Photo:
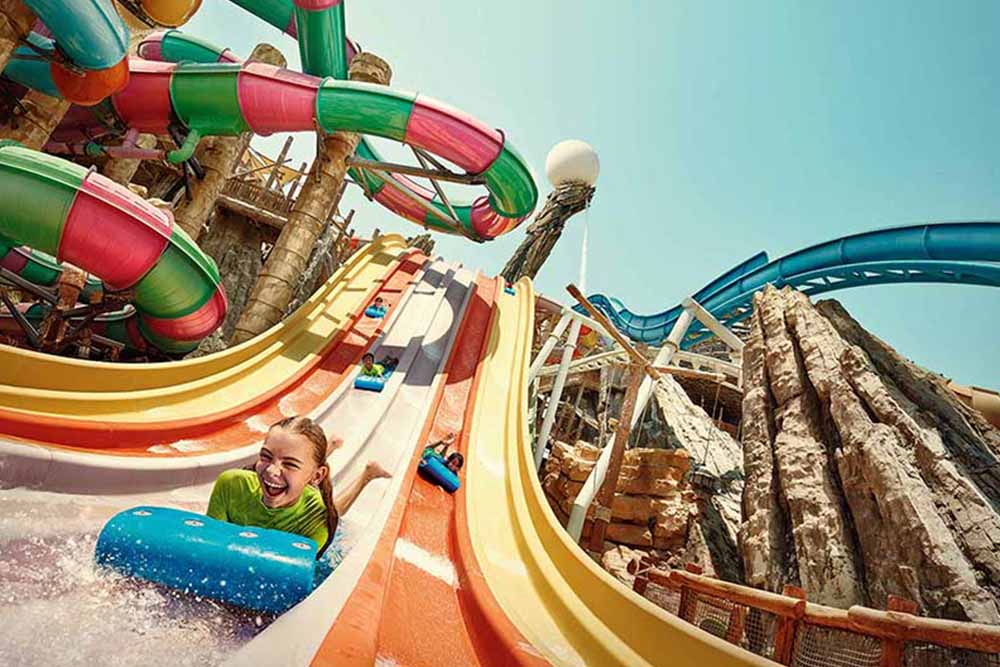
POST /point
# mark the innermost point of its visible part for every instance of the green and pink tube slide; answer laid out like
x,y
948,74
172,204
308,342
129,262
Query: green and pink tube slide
x,y
78,216
326,51
228,99
267,100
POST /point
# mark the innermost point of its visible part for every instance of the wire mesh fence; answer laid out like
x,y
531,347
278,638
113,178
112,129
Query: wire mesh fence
x,y
935,655
816,646
666,598
747,627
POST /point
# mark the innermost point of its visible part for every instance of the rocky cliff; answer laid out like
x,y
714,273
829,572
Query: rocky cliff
x,y
865,476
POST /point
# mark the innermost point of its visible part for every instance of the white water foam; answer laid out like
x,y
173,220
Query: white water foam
x,y
257,423
434,565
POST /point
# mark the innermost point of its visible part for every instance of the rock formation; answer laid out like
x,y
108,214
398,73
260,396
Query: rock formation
x,y
679,498
654,501
865,476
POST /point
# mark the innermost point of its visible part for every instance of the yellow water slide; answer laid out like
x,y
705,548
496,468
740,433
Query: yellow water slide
x,y
569,610
565,605
56,387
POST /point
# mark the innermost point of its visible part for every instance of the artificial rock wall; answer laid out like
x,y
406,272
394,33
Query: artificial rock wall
x,y
864,476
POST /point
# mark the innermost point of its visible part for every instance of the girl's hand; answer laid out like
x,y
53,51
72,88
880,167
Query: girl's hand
x,y
374,470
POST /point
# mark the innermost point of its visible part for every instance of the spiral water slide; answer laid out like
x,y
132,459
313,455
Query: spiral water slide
x,y
966,253
326,51
56,207
221,97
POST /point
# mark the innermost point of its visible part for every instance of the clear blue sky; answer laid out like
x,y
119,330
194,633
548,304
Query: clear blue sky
x,y
723,128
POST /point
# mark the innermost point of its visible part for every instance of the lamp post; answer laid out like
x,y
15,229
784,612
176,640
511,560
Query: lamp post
x,y
572,168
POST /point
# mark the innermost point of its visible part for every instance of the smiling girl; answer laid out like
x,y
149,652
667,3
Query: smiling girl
x,y
288,488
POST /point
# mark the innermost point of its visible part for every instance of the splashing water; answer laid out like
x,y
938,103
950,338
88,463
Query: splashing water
x,y
58,607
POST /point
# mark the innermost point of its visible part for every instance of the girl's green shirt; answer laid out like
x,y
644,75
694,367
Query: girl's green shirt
x,y
237,498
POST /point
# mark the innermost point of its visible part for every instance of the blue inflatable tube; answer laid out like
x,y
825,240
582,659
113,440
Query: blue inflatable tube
x,y
256,568
371,383
374,311
434,469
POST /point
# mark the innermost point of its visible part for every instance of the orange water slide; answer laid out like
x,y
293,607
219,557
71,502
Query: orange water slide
x,y
422,599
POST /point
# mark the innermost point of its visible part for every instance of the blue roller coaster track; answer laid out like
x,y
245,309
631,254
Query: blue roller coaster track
x,y
965,253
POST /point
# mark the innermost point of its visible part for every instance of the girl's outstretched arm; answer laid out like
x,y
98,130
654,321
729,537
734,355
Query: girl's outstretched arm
x,y
346,498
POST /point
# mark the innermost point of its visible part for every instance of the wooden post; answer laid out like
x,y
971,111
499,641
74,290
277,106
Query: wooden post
x,y
610,329
297,183
784,635
273,176
688,603
567,422
641,581
737,621
892,649
606,494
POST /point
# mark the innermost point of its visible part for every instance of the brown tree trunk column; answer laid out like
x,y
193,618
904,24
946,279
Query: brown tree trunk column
x,y
606,494
218,157
315,202
15,22
562,203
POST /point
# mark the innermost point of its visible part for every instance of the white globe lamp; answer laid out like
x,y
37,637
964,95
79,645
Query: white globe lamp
x,y
572,161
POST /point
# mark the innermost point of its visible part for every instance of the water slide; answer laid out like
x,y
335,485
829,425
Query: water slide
x,y
326,51
82,65
221,97
486,576
965,253
62,209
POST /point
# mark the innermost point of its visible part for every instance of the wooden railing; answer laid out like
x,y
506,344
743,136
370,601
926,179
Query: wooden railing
x,y
792,631
268,199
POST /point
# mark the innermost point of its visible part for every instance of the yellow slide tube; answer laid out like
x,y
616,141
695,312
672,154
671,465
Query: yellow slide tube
x,y
34,383
570,609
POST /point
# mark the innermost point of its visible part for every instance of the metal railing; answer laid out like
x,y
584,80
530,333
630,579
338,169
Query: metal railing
x,y
789,630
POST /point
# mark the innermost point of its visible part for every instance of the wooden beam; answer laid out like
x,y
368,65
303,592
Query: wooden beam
x,y
273,176
255,213
601,319
606,494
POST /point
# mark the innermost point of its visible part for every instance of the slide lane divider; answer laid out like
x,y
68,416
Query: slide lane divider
x,y
294,638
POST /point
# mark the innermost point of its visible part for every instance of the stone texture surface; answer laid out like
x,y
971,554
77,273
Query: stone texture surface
x,y
652,493
235,244
616,559
886,482
717,459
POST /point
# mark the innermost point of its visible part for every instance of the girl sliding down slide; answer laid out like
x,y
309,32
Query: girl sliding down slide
x,y
288,488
